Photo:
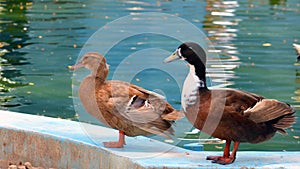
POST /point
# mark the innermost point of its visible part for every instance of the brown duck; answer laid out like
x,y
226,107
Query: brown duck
x,y
123,106
228,114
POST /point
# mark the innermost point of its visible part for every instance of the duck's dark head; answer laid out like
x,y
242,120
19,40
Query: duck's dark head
x,y
93,61
191,52
195,55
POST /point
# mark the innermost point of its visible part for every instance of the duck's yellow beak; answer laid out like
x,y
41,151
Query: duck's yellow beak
x,y
70,67
172,57
76,66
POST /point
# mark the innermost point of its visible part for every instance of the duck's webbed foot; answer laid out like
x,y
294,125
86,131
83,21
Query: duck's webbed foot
x,y
116,144
221,160
226,158
113,144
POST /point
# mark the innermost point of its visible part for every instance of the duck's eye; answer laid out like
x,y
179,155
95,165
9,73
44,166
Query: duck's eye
x,y
179,53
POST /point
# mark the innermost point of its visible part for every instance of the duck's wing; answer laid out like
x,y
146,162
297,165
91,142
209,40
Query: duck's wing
x,y
158,104
147,92
239,100
265,109
140,110
268,109
279,114
144,109
252,97
140,99
144,115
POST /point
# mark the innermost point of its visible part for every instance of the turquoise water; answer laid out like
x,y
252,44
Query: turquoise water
x,y
39,39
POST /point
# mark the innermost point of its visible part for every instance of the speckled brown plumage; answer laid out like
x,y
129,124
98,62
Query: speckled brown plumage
x,y
121,105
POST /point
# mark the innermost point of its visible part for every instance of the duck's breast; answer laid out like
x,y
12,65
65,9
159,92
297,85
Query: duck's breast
x,y
87,95
189,93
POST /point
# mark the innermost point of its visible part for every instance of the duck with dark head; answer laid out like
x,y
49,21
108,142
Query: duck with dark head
x,y
128,108
237,116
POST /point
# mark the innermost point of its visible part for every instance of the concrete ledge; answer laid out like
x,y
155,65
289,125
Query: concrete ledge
x,y
57,143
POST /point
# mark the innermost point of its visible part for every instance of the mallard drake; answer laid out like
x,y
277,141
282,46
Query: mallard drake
x,y
123,106
228,114
297,47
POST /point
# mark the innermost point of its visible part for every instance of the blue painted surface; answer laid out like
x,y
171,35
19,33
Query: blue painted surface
x,y
194,146
139,151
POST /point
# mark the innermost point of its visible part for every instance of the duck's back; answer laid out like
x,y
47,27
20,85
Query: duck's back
x,y
226,114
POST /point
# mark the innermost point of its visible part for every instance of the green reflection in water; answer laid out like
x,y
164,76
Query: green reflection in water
x,y
13,36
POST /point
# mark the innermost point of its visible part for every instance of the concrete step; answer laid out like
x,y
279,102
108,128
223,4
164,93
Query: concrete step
x,y
58,143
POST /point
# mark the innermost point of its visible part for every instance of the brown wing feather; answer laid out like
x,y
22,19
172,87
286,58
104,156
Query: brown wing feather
x,y
241,100
145,109
284,123
162,107
147,92
267,110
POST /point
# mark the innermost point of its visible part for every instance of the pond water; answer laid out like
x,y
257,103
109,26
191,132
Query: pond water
x,y
39,39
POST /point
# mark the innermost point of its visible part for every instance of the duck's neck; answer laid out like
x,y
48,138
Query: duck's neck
x,y
100,73
99,79
199,74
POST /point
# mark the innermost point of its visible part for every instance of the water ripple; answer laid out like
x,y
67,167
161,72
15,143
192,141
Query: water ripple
x,y
220,26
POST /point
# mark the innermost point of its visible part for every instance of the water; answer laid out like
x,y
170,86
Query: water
x,y
39,39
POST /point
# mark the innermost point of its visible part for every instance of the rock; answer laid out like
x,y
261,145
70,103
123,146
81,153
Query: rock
x,y
12,167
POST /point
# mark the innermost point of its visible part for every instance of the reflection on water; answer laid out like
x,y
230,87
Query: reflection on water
x,y
296,98
297,74
265,37
277,2
13,36
220,27
38,39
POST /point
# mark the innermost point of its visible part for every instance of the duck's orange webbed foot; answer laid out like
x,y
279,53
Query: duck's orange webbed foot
x,y
226,158
221,160
213,158
113,144
116,144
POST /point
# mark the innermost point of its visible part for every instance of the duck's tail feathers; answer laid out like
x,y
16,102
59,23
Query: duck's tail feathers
x,y
279,114
284,122
158,131
173,116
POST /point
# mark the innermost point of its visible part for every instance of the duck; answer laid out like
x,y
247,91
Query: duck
x,y
123,106
297,48
229,114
